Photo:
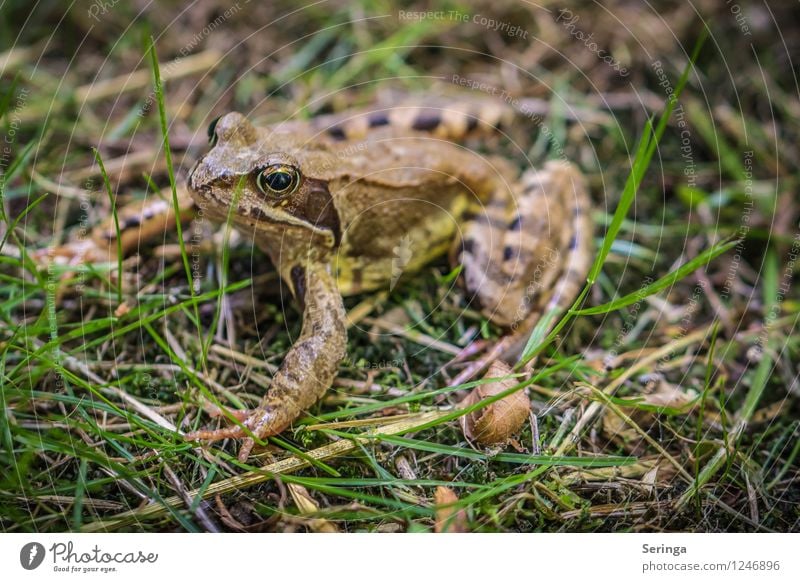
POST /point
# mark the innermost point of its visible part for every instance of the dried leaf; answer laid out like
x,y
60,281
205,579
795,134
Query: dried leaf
x,y
616,428
448,518
501,421
671,396
307,505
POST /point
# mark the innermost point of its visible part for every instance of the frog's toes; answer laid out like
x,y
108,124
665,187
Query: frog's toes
x,y
239,414
230,432
71,254
247,447
259,423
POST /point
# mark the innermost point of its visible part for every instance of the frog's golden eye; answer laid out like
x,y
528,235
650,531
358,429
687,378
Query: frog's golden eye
x,y
212,134
278,180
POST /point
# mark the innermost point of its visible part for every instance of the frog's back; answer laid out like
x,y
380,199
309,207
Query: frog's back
x,y
405,183
408,187
448,118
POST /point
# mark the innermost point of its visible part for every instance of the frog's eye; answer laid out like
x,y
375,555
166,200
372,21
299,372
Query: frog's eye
x,y
278,180
212,135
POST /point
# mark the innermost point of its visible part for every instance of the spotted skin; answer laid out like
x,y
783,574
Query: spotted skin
x,y
531,252
446,120
139,222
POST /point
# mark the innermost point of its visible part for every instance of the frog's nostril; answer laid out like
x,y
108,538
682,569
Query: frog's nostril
x,y
235,128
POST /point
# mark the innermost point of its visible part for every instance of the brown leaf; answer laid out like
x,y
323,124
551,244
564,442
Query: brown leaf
x,y
671,396
308,505
501,421
448,519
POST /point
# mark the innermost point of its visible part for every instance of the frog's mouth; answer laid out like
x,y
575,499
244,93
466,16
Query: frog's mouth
x,y
279,225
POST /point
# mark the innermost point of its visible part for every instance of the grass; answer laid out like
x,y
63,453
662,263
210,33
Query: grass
x,y
93,395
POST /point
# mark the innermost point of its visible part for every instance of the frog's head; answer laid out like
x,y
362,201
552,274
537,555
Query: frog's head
x,y
250,176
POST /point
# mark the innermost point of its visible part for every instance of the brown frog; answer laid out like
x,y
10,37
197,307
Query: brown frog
x,y
341,204
345,204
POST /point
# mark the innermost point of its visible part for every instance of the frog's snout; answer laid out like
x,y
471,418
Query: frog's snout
x,y
229,133
192,178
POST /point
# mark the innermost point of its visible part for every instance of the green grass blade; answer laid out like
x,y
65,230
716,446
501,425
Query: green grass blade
x,y
158,88
113,200
516,458
644,154
666,281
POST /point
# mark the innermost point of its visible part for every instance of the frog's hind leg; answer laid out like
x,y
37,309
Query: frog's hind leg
x,y
139,222
528,251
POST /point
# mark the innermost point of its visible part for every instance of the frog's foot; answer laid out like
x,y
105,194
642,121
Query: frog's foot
x,y
136,223
258,423
69,255
72,254
307,370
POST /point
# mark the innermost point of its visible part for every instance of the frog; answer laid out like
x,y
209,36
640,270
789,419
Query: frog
x,y
346,204
340,202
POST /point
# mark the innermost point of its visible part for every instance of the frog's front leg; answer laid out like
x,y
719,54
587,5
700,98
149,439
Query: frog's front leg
x,y
309,367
